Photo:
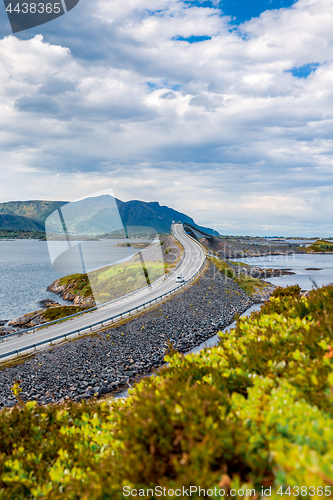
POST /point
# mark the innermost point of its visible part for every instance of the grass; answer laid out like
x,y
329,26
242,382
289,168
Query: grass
x,y
61,312
77,284
241,264
247,283
118,280
320,246
109,283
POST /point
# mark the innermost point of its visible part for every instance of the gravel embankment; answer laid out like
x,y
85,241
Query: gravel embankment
x,y
103,362
228,249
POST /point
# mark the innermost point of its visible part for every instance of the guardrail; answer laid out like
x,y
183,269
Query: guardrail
x,y
103,323
196,241
71,316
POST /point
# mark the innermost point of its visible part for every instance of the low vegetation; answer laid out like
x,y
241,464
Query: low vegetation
x,y
240,264
247,283
320,246
118,280
10,234
77,284
255,411
54,313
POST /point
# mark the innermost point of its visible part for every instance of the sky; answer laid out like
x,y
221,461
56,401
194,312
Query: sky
x,y
221,110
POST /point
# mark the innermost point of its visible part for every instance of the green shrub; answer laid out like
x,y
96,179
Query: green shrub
x,y
255,410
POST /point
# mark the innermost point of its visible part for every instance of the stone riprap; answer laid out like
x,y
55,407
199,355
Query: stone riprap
x,y
108,360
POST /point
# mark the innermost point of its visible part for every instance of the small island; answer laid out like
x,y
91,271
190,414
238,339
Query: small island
x,y
321,246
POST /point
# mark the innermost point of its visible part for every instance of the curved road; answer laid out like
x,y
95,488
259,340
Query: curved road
x,y
193,260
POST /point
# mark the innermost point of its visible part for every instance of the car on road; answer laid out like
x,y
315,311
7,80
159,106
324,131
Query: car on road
x,y
180,278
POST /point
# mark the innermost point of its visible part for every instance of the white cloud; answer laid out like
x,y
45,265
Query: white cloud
x,y
202,126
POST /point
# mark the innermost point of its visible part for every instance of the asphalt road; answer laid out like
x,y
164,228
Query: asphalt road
x,y
193,259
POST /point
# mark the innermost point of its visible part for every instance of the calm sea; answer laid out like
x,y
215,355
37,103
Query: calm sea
x,y
299,264
26,272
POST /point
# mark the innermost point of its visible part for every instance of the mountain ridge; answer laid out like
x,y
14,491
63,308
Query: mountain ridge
x,y
30,215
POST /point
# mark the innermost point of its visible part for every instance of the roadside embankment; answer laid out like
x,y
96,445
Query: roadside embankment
x,y
102,362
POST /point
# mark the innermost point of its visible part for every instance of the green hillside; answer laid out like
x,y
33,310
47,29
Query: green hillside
x,y
26,215
20,223
34,209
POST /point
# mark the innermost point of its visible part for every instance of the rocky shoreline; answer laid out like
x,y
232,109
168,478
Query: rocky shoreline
x,y
107,361
65,291
37,318
257,272
34,318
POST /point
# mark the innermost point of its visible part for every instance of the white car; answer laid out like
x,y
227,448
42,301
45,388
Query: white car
x,y
180,279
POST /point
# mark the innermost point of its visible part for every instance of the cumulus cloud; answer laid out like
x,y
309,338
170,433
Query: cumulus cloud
x,y
222,129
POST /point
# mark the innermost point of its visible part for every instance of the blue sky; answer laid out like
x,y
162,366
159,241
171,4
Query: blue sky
x,y
244,10
222,110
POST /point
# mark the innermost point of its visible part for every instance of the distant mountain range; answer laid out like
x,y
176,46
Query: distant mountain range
x,y
26,215
31,215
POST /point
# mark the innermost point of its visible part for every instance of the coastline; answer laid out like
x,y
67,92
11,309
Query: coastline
x,y
105,363
108,360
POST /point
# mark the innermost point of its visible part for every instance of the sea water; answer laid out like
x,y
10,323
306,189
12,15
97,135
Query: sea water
x,y
300,264
26,272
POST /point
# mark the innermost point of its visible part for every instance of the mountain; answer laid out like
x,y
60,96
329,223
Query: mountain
x,y
31,215
19,223
140,213
34,209
26,215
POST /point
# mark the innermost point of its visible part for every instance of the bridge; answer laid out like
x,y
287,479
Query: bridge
x,y
195,232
